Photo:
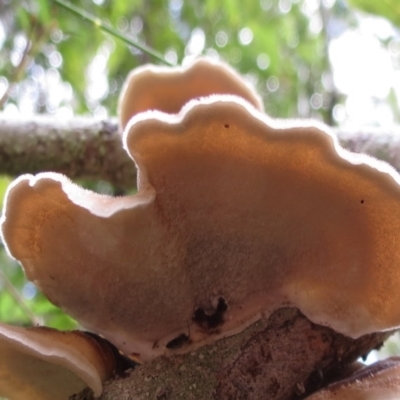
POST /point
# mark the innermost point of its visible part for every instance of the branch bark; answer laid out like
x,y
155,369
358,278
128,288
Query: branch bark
x,y
81,148
283,357
88,148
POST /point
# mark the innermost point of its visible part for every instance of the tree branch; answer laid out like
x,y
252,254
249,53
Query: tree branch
x,y
78,148
85,147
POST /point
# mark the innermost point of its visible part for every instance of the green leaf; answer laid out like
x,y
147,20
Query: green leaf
x,y
23,18
389,9
44,11
54,317
4,182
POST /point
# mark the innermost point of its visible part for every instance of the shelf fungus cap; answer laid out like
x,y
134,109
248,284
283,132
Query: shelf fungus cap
x,y
379,381
45,364
236,215
168,89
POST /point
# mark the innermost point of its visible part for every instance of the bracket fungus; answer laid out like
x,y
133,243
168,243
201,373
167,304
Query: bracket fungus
x,y
45,364
168,89
236,215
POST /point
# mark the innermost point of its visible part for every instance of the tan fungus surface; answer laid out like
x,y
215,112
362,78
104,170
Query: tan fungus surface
x,y
168,89
45,364
236,216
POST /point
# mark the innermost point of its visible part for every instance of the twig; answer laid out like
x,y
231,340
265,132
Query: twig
x,y
19,300
35,39
100,24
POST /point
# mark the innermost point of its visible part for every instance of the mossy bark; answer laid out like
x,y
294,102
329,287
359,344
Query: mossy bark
x,y
283,357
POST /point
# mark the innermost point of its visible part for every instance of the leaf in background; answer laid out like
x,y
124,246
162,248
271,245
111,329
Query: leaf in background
x,y
44,12
53,316
22,17
4,182
389,9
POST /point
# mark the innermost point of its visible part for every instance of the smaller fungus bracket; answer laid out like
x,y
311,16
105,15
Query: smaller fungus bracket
x,y
378,381
107,255
168,89
45,364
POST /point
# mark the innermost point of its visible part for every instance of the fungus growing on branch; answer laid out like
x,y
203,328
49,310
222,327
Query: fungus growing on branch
x,y
45,364
236,215
168,89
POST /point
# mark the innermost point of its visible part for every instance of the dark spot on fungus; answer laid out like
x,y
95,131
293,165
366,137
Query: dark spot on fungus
x,y
210,321
362,201
178,342
226,125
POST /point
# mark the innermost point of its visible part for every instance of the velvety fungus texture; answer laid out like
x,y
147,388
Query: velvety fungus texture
x,y
236,215
168,89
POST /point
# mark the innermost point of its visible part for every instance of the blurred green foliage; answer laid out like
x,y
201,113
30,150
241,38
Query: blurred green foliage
x,y
52,60
271,42
389,9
